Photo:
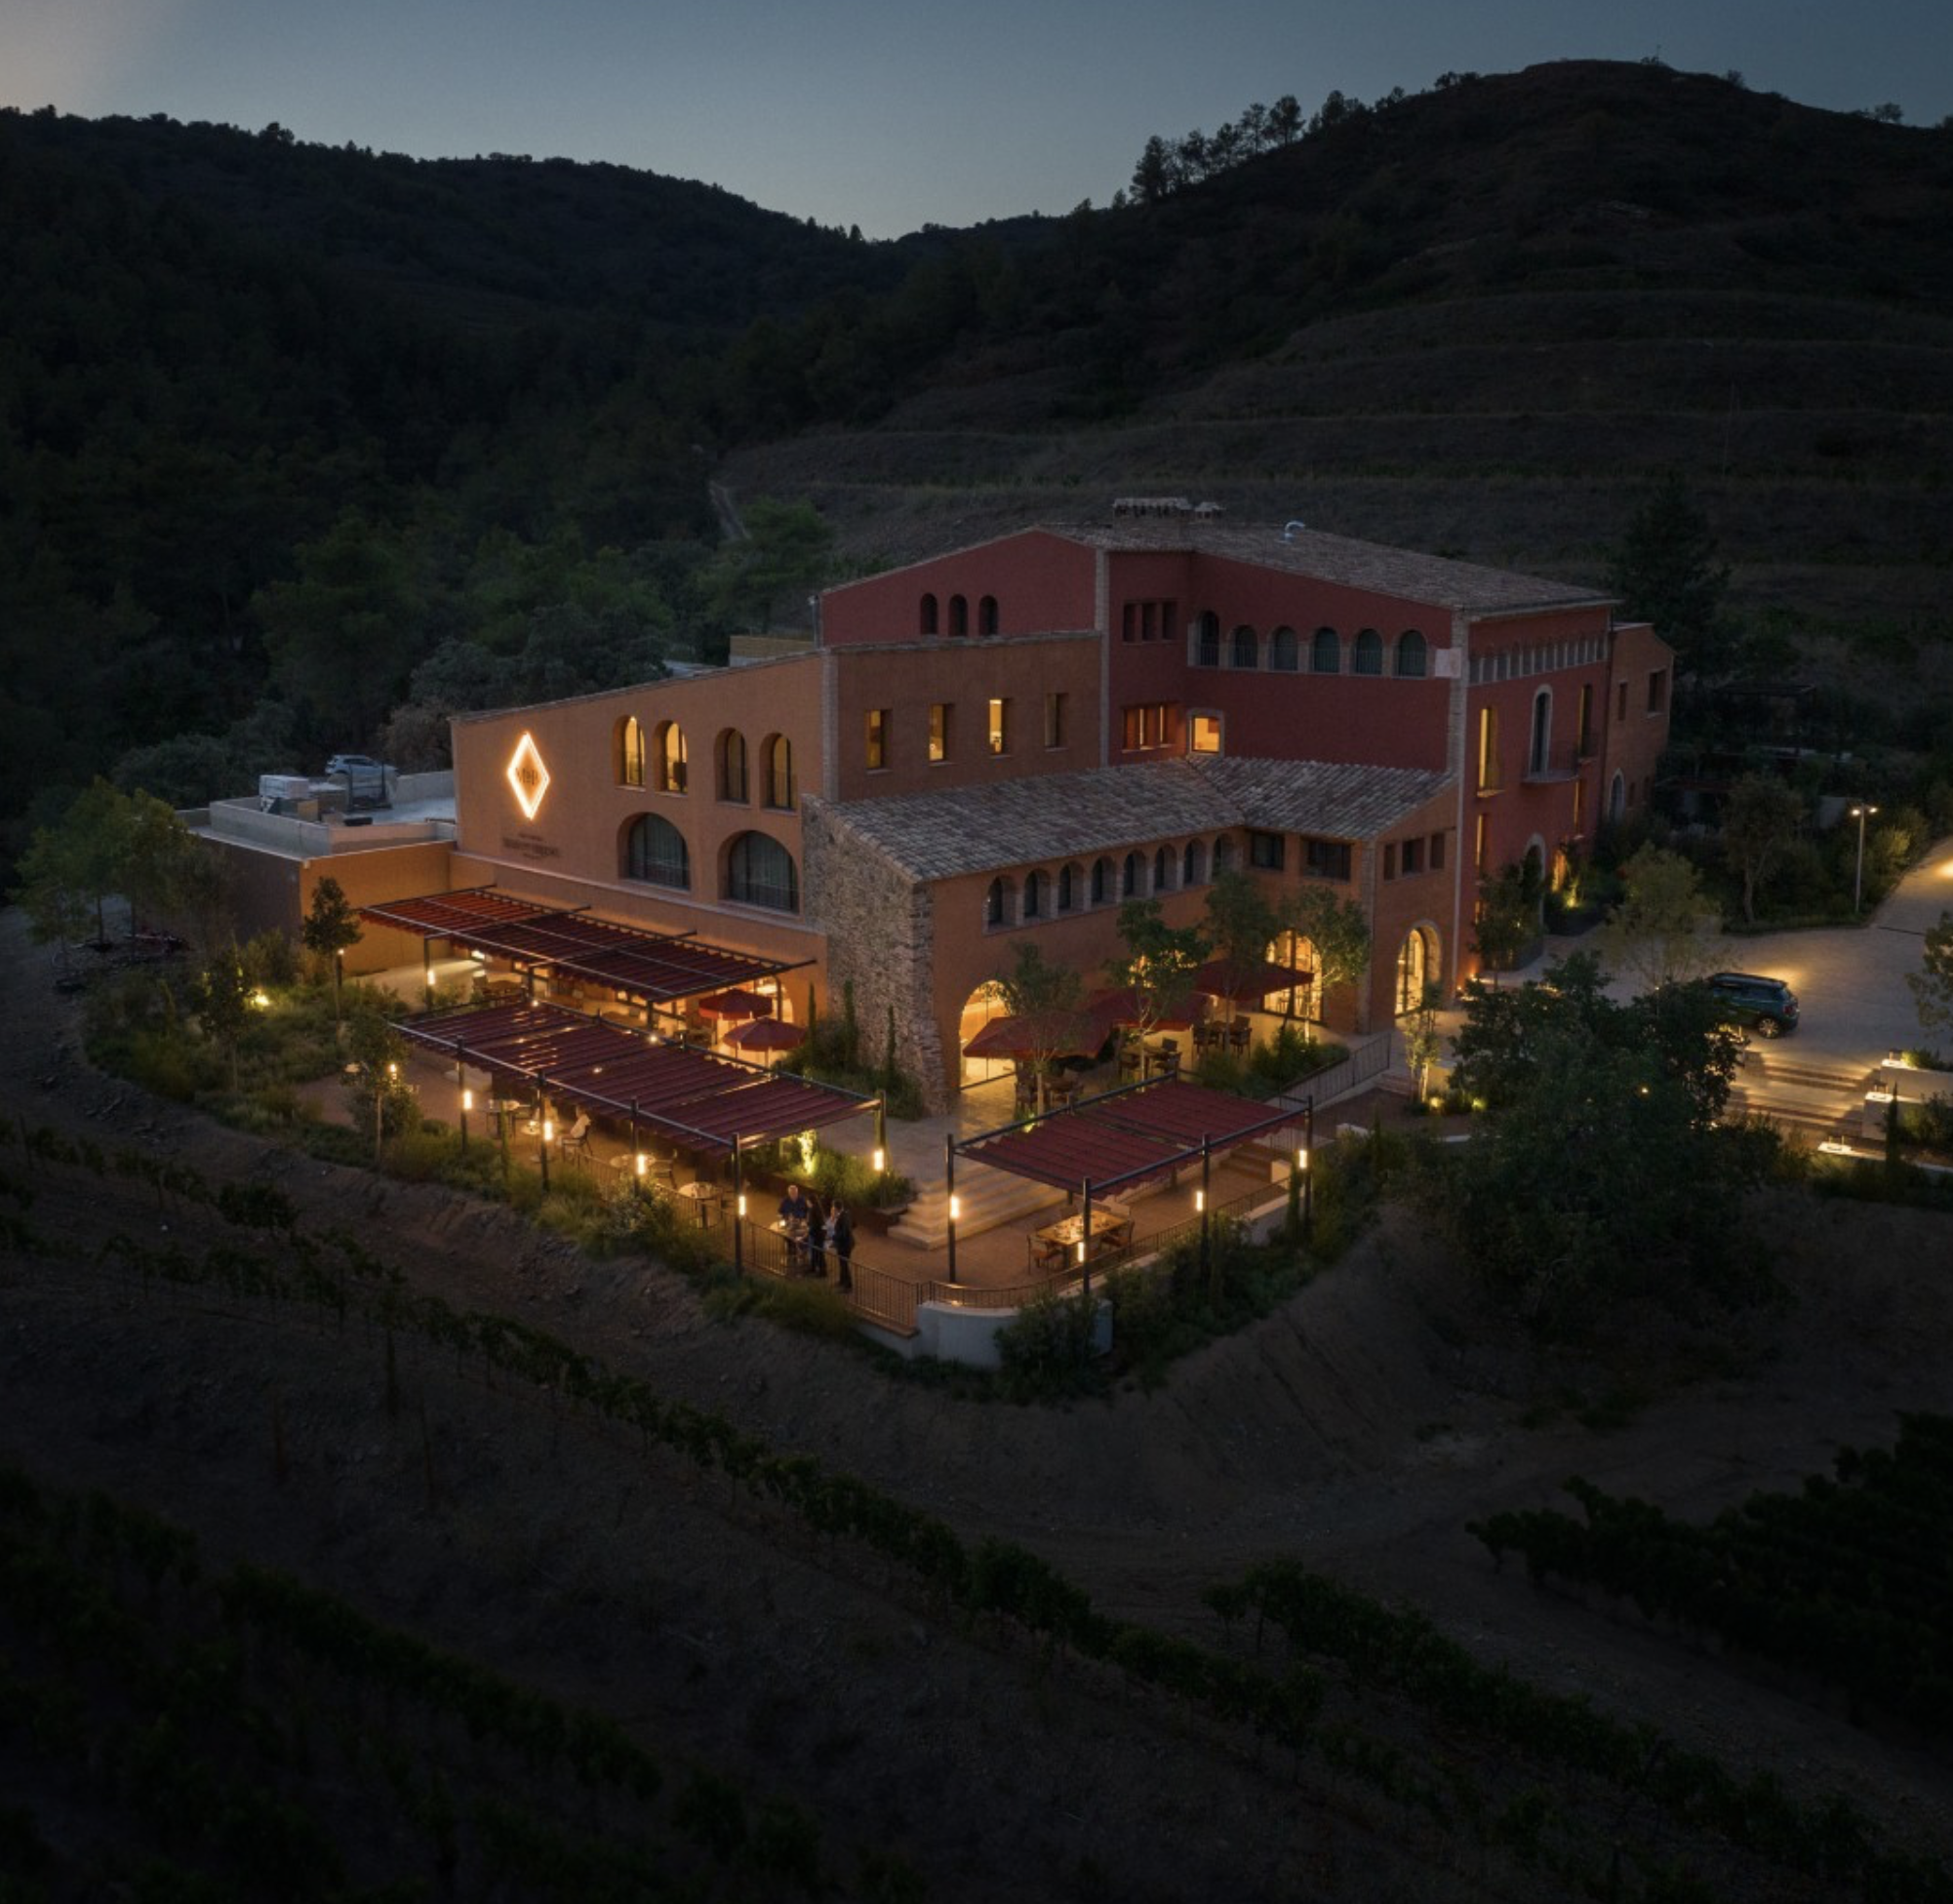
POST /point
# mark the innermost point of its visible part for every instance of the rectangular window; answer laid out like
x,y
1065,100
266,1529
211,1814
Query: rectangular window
x,y
1487,750
1437,853
1204,733
1620,701
1414,857
1000,727
1390,860
1054,720
1579,804
1481,836
878,738
1264,850
938,729
1326,858
1583,733
1658,691
1148,724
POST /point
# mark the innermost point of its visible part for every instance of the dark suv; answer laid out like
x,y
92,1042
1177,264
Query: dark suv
x,y
1765,1005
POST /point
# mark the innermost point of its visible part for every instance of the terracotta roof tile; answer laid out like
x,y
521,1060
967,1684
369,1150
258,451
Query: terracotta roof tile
x,y
1055,817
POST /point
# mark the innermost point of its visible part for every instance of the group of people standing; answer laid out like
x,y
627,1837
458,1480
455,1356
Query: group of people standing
x,y
817,1228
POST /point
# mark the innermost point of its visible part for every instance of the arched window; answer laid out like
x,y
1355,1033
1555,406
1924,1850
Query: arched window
x,y
627,751
1207,640
1037,889
654,850
1284,650
1411,650
1540,753
986,615
1417,967
1245,652
1326,651
1166,863
959,615
1491,777
1133,878
997,902
1616,797
1193,864
1103,877
760,872
733,765
1366,655
1070,886
670,741
776,772
931,615
1226,855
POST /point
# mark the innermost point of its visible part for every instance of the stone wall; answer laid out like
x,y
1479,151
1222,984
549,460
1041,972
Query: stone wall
x,y
879,924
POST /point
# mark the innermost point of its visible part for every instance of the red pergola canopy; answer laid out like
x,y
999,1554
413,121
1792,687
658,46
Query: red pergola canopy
x,y
696,1099
660,968
1127,1135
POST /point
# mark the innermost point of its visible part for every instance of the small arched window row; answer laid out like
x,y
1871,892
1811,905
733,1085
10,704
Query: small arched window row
x,y
628,753
731,752
777,774
668,757
1046,892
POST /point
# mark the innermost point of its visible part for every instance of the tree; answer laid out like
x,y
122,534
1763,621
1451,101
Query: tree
x,y
1048,1002
1158,968
222,997
1759,818
1659,932
1601,1172
786,553
75,866
331,929
1337,929
1932,984
1153,176
1508,918
1665,573
1241,924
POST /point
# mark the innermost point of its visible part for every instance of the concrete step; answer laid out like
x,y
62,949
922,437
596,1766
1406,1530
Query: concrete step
x,y
987,1198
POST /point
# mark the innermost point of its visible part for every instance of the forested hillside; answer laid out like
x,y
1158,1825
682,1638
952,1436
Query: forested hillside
x,y
292,435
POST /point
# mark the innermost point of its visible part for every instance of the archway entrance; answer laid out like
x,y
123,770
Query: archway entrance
x,y
982,1005
1416,968
1303,999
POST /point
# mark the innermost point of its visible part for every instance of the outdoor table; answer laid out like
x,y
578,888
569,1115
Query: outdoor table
x,y
793,1231
706,1198
1057,1243
503,1110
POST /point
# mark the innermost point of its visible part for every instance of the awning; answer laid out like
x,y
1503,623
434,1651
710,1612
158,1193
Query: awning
x,y
1121,1008
1219,979
1009,1037
767,1035
735,1005
658,967
1126,1136
696,1097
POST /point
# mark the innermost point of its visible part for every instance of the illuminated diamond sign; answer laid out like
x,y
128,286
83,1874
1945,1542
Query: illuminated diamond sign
x,y
528,776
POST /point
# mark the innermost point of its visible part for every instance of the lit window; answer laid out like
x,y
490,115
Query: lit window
x,y
670,757
629,752
939,730
1000,727
878,738
1204,733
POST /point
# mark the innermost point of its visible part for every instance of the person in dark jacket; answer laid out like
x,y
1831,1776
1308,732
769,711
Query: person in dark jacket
x,y
841,1240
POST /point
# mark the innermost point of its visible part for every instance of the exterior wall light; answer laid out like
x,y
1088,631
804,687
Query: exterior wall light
x,y
528,778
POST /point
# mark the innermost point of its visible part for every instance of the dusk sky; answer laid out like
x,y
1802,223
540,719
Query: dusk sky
x,y
890,115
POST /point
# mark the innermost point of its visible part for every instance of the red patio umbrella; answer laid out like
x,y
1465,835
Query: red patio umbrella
x,y
1121,1008
766,1035
1237,983
735,1005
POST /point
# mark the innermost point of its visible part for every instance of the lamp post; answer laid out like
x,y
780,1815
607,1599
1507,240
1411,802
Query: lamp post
x,y
1861,814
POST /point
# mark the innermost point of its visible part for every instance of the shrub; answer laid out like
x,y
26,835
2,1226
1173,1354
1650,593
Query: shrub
x,y
1047,1351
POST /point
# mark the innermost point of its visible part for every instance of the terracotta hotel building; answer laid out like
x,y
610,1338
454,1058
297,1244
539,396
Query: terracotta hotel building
x,y
1011,739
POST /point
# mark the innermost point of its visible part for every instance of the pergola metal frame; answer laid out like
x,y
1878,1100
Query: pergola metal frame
x,y
653,967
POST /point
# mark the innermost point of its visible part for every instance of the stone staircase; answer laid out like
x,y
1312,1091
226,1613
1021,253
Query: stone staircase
x,y
1819,1099
988,1197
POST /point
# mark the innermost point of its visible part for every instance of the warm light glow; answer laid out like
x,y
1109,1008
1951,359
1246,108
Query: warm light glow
x,y
394,1070
642,1163
262,999
528,776
742,1205
955,1207
1081,1250
1199,1202
1302,1159
467,1100
881,1160
548,1130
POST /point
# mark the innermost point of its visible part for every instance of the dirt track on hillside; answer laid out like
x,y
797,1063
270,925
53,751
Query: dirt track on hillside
x,y
1349,1430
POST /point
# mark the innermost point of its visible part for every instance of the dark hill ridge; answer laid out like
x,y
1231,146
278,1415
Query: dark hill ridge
x,y
1472,321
